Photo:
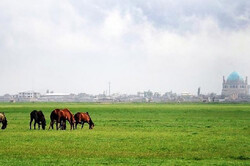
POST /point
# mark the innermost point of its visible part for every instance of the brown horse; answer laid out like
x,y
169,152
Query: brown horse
x,y
82,118
39,118
64,115
3,120
54,118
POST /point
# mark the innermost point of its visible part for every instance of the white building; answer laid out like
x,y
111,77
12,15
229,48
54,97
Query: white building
x,y
58,97
28,95
235,86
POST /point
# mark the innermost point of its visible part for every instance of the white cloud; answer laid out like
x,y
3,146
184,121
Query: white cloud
x,y
60,46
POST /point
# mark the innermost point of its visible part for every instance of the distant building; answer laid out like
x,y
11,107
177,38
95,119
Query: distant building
x,y
6,98
58,97
235,86
28,95
186,94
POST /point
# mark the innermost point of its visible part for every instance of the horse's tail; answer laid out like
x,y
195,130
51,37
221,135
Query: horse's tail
x,y
31,116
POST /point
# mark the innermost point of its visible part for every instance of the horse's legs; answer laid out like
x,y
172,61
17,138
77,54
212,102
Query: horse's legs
x,y
58,120
82,124
52,124
61,124
70,122
76,125
57,125
72,125
39,125
31,119
35,124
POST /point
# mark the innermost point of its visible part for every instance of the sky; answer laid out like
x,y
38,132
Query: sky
x,y
138,45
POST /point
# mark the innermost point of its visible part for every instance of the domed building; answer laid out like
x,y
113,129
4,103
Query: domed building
x,y
235,86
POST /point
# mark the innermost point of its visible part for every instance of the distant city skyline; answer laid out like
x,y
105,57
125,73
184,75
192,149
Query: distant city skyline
x,y
81,46
107,92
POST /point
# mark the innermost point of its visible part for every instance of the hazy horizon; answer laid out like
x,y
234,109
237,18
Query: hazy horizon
x,y
80,46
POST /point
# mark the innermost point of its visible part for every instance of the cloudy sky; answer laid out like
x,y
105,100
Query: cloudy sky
x,y
161,45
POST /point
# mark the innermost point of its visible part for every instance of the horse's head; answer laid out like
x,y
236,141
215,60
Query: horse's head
x,y
4,124
41,118
91,124
43,123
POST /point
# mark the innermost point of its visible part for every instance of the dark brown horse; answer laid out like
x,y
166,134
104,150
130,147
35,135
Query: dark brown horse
x,y
54,118
64,115
82,118
3,120
39,119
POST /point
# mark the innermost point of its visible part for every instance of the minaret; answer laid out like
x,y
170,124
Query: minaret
x,y
199,92
247,86
223,86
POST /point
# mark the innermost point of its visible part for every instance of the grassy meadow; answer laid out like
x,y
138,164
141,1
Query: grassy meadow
x,y
130,134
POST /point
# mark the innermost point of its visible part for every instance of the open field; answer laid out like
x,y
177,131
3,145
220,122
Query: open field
x,y
130,134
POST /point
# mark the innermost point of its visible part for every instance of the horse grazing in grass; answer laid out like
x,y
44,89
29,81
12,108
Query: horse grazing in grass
x,y
54,118
3,120
39,118
82,118
64,115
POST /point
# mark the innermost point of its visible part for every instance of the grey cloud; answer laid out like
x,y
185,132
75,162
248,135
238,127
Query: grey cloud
x,y
138,45
230,14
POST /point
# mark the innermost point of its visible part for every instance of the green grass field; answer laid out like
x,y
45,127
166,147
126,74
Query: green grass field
x,y
130,134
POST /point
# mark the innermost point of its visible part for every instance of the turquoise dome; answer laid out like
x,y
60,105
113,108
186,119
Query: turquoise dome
x,y
234,76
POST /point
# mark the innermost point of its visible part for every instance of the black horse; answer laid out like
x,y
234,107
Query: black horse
x,y
3,120
39,118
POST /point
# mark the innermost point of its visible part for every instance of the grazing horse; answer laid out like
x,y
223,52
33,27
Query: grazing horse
x,y
54,118
82,118
3,120
64,115
39,118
